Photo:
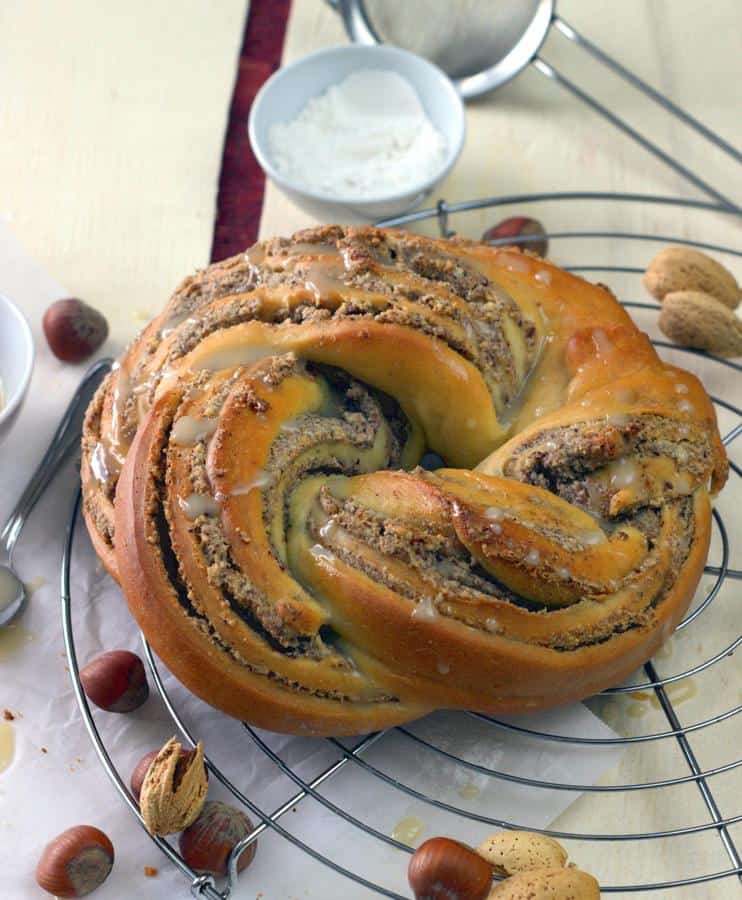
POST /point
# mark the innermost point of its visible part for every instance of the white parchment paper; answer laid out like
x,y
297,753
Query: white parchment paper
x,y
56,780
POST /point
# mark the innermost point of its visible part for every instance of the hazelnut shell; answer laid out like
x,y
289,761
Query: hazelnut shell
x,y
511,232
442,868
76,862
74,330
115,681
206,844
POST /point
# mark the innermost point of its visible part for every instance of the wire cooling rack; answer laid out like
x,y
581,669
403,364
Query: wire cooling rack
x,y
609,244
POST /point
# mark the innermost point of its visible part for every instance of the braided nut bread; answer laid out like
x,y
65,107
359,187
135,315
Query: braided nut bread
x,y
251,479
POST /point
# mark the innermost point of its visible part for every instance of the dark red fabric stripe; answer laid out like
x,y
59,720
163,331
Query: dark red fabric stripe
x,y
241,180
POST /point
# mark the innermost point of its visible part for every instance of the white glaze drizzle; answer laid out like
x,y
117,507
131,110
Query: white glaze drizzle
x,y
230,357
262,479
197,505
320,552
188,430
425,609
533,557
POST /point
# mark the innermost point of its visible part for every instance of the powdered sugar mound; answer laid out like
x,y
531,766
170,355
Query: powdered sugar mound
x,y
366,137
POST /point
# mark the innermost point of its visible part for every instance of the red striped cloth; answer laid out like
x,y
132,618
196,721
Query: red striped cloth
x,y
241,180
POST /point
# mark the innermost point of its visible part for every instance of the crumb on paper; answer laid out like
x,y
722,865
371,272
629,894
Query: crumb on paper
x,y
151,871
8,715
44,750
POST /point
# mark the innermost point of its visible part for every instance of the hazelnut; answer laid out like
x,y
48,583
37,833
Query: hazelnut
x,y
142,767
174,789
74,330
507,232
76,862
115,681
442,868
206,844
140,770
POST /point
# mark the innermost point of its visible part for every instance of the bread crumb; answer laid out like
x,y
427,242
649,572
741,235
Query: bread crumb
x,y
151,871
8,715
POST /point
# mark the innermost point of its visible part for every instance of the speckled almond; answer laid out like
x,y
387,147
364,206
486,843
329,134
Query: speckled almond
x,y
697,320
547,884
521,851
684,269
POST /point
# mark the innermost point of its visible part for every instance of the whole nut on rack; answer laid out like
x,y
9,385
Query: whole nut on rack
x,y
509,852
76,862
174,789
698,320
206,844
442,868
510,230
685,269
142,767
547,884
115,681
74,330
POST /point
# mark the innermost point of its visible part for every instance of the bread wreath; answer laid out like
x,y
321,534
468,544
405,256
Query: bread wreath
x,y
251,479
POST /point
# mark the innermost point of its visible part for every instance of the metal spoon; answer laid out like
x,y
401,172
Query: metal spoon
x,y
66,438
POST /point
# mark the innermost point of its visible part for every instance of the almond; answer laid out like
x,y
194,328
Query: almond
x,y
547,884
519,851
698,320
684,269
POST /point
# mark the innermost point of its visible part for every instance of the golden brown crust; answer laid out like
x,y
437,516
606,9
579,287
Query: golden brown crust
x,y
290,574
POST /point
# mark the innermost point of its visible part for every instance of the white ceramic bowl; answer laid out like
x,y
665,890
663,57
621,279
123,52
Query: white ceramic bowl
x,y
286,92
16,362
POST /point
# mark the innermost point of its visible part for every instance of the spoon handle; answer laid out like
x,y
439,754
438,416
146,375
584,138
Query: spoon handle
x,y
66,437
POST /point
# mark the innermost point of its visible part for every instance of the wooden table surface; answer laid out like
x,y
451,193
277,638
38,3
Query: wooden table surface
x,y
112,121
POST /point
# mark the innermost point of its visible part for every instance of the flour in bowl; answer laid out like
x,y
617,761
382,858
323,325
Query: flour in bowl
x,y
366,137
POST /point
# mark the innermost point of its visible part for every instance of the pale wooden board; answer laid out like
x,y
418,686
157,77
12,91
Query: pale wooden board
x,y
112,118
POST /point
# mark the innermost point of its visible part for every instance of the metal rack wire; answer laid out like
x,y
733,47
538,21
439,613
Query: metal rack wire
x,y
354,759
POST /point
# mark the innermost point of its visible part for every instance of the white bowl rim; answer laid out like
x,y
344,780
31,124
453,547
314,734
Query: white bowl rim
x,y
358,202
15,400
